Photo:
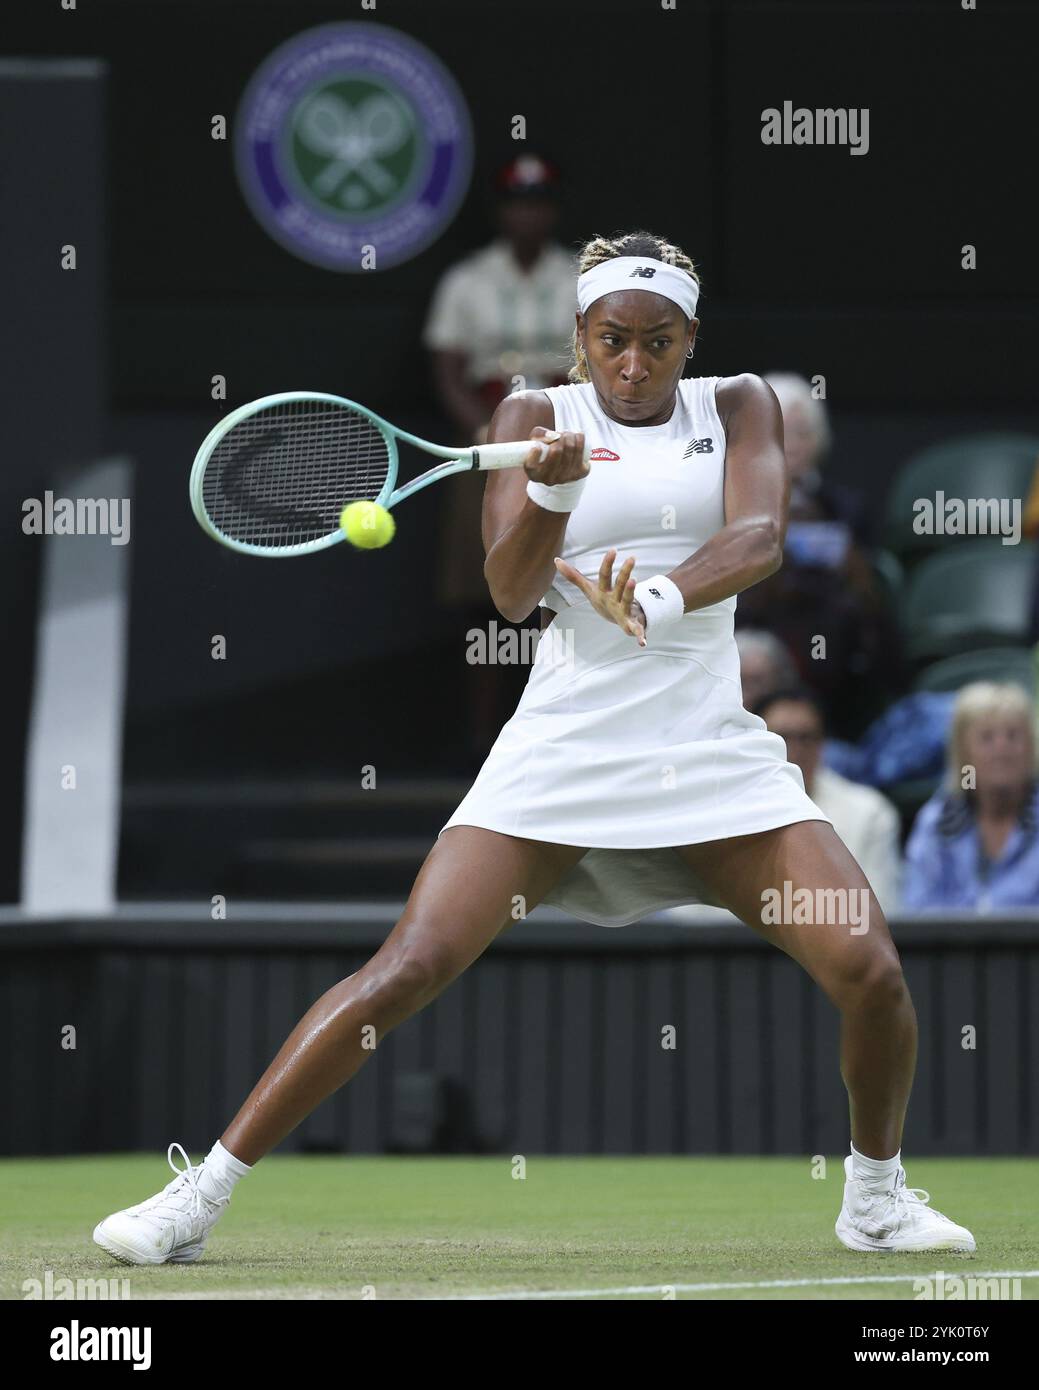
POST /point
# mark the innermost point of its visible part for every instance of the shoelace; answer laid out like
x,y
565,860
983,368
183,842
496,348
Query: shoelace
x,y
904,1207
173,1193
905,1198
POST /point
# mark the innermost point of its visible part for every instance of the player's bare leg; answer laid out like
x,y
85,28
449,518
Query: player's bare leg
x,y
465,894
861,973
463,897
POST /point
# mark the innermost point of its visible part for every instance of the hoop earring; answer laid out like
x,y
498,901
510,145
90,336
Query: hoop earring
x,y
689,353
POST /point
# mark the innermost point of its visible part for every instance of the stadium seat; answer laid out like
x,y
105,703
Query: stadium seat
x,y
1000,664
973,594
982,465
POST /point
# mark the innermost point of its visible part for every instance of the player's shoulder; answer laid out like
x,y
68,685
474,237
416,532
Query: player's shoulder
x,y
733,392
522,410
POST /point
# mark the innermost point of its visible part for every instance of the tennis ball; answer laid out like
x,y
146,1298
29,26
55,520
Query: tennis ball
x,y
367,525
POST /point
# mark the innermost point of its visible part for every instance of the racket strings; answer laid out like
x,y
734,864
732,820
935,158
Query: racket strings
x,y
282,476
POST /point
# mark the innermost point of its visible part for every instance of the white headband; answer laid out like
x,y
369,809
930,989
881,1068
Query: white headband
x,y
638,273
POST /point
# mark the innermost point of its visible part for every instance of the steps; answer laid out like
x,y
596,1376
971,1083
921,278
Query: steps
x,y
301,838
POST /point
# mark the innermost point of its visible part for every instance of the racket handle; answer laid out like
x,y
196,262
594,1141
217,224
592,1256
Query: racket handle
x,y
512,455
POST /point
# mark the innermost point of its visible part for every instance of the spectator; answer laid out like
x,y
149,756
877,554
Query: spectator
x,y
814,498
863,818
826,586
501,319
765,665
975,845
507,310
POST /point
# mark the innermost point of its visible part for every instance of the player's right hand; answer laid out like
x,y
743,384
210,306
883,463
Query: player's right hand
x,y
564,461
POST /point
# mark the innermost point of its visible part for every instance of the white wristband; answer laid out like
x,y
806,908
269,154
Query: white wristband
x,y
556,497
662,603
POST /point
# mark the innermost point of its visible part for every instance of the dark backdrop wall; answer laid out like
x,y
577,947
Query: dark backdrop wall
x,y
812,259
811,256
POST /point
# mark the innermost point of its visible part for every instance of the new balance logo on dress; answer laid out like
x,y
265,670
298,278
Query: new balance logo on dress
x,y
699,446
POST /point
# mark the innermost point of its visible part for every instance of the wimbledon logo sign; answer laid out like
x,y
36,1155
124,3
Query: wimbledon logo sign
x,y
353,135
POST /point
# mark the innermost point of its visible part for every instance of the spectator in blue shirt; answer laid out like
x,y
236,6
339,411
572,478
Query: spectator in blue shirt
x,y
975,844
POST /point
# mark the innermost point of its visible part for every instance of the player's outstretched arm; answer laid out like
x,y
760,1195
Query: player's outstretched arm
x,y
521,539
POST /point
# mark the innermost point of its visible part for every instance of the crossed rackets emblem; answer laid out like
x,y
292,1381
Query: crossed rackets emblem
x,y
353,139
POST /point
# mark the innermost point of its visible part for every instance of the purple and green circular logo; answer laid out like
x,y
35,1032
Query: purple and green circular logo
x,y
349,136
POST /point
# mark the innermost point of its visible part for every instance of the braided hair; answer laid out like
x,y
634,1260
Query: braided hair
x,y
601,249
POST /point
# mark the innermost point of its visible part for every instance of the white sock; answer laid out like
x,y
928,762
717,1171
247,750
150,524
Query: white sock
x,y
874,1170
220,1171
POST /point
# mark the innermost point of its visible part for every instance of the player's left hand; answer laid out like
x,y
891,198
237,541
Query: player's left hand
x,y
613,601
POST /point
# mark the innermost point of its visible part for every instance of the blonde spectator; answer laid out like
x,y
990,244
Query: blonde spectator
x,y
975,844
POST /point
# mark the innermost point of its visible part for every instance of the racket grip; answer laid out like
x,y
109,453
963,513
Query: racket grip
x,y
512,455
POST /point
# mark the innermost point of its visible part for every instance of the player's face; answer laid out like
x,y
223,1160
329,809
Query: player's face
x,y
636,345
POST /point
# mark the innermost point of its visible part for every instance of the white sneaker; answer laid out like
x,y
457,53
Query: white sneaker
x,y
170,1227
895,1217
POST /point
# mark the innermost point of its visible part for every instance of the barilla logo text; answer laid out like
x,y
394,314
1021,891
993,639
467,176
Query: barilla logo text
x,y
604,456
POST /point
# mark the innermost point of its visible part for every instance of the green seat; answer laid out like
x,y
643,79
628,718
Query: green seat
x,y
981,465
974,594
1000,664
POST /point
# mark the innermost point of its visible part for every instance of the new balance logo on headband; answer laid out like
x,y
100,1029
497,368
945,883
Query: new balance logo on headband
x,y
645,271
699,446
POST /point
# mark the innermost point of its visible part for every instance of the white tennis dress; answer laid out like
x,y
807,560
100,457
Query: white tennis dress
x,y
633,750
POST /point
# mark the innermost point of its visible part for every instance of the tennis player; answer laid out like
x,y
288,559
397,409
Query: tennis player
x,y
630,777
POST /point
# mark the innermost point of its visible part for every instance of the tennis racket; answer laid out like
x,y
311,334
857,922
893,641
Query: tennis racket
x,y
274,476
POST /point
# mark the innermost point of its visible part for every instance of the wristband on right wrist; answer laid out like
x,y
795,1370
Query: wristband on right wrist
x,y
556,497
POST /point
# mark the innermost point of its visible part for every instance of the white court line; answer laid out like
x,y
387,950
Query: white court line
x,y
750,1284
312,1292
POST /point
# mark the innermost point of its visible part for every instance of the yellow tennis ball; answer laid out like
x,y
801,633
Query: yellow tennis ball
x,y
367,525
